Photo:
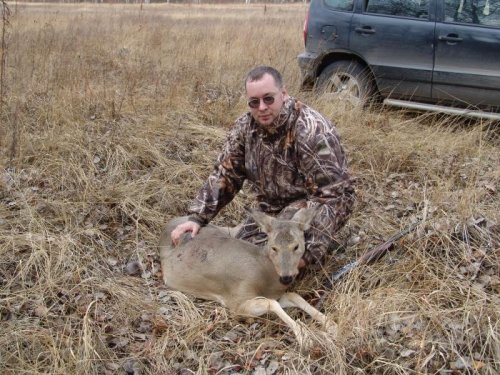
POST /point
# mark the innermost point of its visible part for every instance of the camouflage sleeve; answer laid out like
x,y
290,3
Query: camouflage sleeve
x,y
225,180
322,161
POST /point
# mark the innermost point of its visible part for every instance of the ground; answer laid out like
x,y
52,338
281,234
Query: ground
x,y
111,119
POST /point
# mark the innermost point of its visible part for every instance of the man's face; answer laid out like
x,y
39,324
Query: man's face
x,y
261,92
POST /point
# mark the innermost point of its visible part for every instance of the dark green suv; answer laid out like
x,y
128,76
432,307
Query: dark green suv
x,y
425,54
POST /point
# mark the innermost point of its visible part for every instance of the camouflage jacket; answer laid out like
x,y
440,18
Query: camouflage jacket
x,y
296,162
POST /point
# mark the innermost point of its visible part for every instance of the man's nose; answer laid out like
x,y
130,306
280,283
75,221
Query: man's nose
x,y
262,105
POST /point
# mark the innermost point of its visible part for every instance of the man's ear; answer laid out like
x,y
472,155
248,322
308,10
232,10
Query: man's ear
x,y
284,92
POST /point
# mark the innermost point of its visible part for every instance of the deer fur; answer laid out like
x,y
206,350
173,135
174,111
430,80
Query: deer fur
x,y
248,279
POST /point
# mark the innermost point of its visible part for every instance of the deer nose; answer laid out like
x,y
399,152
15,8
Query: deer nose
x,y
285,280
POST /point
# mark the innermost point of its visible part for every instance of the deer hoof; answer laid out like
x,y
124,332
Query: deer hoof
x,y
331,329
303,339
305,344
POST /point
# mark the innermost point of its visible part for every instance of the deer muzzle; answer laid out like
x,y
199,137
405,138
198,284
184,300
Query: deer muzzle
x,y
286,280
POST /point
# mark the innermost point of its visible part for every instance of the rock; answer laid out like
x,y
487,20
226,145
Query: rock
x,y
133,268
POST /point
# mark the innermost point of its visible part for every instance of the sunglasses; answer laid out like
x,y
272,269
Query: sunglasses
x,y
255,102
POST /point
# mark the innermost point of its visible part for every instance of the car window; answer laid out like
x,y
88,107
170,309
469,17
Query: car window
x,y
340,4
402,8
479,12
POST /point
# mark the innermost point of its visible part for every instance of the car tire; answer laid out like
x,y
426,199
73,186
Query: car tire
x,y
347,82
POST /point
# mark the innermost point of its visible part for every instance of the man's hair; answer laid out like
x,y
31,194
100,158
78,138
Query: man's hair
x,y
257,73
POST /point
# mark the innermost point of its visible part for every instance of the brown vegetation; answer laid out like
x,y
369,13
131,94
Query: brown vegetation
x,y
111,120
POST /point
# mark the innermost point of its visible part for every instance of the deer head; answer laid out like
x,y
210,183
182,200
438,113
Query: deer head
x,y
285,243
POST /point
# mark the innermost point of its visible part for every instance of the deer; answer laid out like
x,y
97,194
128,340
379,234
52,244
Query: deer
x,y
249,280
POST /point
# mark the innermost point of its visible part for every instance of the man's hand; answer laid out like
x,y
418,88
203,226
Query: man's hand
x,y
188,226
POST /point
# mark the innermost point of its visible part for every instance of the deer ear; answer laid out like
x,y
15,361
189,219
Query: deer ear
x,y
305,216
264,221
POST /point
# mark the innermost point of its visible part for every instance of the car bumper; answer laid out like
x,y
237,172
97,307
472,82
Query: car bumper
x,y
307,64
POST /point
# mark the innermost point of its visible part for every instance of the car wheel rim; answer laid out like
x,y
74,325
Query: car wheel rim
x,y
345,88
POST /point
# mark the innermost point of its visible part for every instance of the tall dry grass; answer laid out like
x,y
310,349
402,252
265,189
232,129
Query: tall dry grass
x,y
119,114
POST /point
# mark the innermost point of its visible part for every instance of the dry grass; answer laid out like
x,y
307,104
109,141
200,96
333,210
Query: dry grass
x,y
116,116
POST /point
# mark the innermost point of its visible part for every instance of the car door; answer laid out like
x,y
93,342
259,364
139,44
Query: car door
x,y
396,38
467,60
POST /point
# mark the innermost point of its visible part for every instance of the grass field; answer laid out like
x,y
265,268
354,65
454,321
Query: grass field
x,y
111,118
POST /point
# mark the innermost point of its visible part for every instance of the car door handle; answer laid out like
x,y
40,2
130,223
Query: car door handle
x,y
454,38
365,30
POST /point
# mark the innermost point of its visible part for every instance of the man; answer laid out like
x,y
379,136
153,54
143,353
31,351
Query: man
x,y
292,157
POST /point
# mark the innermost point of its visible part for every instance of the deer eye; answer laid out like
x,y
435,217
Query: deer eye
x,y
296,248
274,249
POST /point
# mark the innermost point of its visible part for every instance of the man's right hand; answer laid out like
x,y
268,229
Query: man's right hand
x,y
188,226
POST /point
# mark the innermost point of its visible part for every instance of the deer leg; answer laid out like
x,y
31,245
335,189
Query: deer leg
x,y
294,300
260,305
